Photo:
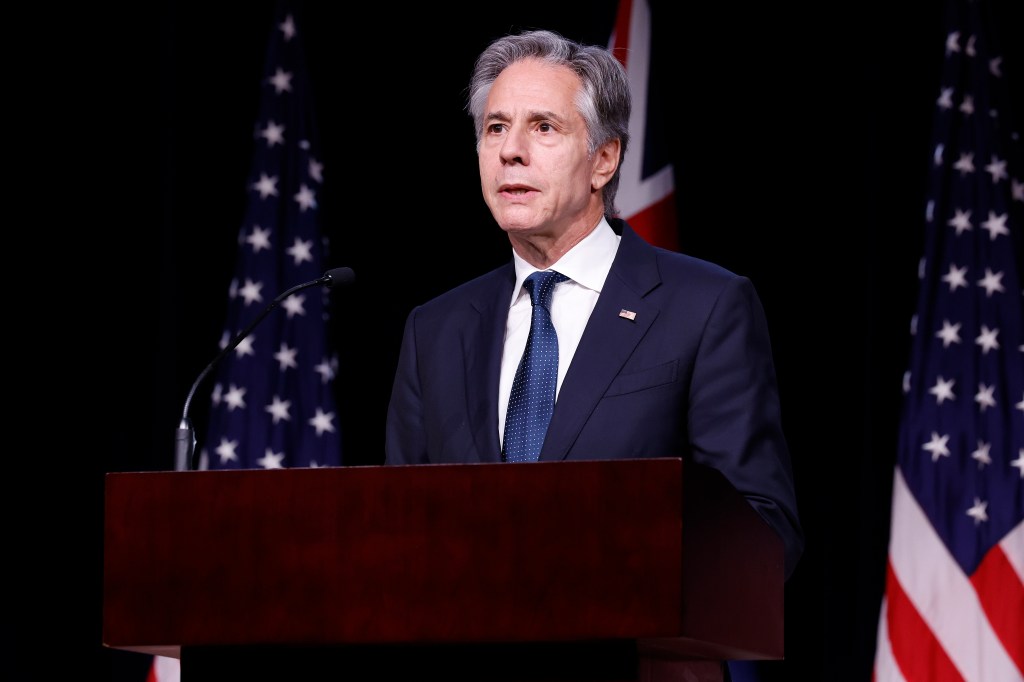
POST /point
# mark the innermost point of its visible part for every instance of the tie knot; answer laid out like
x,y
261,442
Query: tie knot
x,y
540,285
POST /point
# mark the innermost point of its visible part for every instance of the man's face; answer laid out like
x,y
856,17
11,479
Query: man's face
x,y
535,172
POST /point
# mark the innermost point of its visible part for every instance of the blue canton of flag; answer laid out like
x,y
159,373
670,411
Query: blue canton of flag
x,y
954,601
273,405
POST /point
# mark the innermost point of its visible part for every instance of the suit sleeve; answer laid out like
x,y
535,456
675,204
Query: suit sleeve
x,y
735,422
405,440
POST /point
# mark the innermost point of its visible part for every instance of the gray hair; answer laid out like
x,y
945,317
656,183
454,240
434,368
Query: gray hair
x,y
604,100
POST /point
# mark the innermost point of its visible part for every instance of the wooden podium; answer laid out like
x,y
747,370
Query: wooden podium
x,y
601,570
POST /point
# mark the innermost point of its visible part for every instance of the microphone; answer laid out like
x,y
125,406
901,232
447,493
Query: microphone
x,y
185,440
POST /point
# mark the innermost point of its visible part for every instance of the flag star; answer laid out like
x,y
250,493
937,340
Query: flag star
x,y
301,250
235,398
274,134
913,325
1020,405
305,197
945,100
227,450
294,305
271,460
1018,190
997,169
906,381
218,391
287,28
953,42
996,225
967,106
251,292
995,67
956,277
325,370
316,170
1019,462
987,339
922,267
245,346
937,155
266,185
970,46
281,80
323,421
942,390
965,164
991,282
286,357
984,397
961,221
279,409
982,454
937,446
929,208
258,239
977,512
950,333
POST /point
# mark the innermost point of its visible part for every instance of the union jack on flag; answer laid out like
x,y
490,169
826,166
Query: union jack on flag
x,y
953,607
646,194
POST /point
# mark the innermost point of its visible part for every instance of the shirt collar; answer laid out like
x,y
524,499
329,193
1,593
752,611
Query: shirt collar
x,y
587,263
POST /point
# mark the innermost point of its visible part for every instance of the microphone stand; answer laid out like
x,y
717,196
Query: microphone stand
x,y
185,438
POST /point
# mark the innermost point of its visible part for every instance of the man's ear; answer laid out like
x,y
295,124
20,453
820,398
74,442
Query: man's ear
x,y
606,161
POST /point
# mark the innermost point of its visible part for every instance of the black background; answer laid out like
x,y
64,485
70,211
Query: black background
x,y
799,134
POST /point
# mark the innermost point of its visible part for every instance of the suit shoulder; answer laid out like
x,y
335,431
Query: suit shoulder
x,y
474,292
681,266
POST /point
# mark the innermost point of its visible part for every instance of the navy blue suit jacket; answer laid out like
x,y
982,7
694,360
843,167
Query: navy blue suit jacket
x,y
691,375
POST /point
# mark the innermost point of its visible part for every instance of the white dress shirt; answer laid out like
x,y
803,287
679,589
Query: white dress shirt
x,y
586,265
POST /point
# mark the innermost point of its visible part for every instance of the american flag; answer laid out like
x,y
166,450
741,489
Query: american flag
x,y
646,194
272,401
272,405
953,607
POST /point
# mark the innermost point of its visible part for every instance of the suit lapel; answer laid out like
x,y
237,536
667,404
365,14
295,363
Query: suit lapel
x,y
484,346
620,320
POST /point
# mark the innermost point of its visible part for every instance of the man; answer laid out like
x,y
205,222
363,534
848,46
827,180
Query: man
x,y
658,354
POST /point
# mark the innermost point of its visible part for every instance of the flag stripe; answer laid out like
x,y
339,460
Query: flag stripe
x,y
922,567
920,655
1001,594
886,669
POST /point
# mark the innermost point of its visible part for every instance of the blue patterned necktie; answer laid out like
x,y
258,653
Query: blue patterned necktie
x,y
533,390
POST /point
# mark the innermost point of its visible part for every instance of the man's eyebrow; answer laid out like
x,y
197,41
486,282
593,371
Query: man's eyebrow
x,y
534,115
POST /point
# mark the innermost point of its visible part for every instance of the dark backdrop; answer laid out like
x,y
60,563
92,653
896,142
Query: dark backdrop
x,y
799,134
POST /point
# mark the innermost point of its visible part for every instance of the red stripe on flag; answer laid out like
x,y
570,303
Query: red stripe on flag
x,y
918,654
1001,594
657,223
620,48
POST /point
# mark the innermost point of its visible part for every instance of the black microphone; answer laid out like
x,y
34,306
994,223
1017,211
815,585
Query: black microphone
x,y
185,440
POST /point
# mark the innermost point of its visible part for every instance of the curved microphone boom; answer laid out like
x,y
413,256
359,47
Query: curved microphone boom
x,y
185,440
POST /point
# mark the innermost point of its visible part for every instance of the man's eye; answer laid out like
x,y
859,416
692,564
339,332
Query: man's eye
x,y
495,128
545,127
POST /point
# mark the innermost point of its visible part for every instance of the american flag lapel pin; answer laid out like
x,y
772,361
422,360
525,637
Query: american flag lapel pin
x,y
628,314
